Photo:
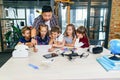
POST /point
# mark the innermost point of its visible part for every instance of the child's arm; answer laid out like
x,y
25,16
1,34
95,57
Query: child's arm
x,y
33,34
51,49
19,43
59,44
35,49
72,44
29,44
51,41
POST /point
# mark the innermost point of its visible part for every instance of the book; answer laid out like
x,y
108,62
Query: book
x,y
107,65
114,62
103,64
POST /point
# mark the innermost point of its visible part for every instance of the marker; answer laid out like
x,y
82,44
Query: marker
x,y
33,66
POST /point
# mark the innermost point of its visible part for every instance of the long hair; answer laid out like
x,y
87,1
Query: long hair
x,y
40,26
73,30
82,30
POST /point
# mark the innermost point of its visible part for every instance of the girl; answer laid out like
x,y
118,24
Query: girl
x,y
69,35
82,40
43,35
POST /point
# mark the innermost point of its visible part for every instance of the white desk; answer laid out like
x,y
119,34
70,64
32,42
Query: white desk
x,y
60,69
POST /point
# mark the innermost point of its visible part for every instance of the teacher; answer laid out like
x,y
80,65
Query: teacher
x,y
47,17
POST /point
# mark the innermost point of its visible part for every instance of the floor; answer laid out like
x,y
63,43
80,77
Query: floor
x,y
4,56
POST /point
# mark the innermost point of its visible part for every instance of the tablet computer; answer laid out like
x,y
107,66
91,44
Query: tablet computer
x,y
47,56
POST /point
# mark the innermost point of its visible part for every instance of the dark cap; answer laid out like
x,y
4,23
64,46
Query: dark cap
x,y
46,9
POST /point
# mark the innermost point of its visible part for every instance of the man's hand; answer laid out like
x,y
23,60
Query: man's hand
x,y
33,34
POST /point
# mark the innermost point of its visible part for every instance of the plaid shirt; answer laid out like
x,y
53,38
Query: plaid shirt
x,y
39,20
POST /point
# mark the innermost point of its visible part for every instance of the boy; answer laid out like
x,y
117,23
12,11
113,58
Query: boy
x,y
26,39
56,38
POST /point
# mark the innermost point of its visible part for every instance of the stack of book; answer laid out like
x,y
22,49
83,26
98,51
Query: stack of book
x,y
109,64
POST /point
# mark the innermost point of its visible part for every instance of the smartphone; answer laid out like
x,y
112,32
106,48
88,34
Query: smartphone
x,y
47,56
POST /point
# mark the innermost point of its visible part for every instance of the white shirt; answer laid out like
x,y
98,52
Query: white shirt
x,y
78,44
48,23
60,38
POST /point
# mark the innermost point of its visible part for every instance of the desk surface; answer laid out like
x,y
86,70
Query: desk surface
x,y
59,69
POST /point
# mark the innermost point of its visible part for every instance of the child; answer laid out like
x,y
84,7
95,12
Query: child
x,y
82,40
43,35
69,35
56,38
26,39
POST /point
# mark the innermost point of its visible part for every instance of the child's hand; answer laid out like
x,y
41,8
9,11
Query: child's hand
x,y
51,49
35,49
29,44
54,45
55,42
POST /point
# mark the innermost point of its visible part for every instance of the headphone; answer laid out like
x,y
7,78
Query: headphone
x,y
96,50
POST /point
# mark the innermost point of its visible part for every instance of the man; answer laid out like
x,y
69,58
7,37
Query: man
x,y
47,17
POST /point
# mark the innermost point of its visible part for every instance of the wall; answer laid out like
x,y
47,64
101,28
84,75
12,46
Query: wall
x,y
1,8
115,20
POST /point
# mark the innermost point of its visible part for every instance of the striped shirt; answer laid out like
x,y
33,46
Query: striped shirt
x,y
39,20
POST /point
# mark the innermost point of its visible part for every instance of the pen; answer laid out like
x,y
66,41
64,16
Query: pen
x,y
33,66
